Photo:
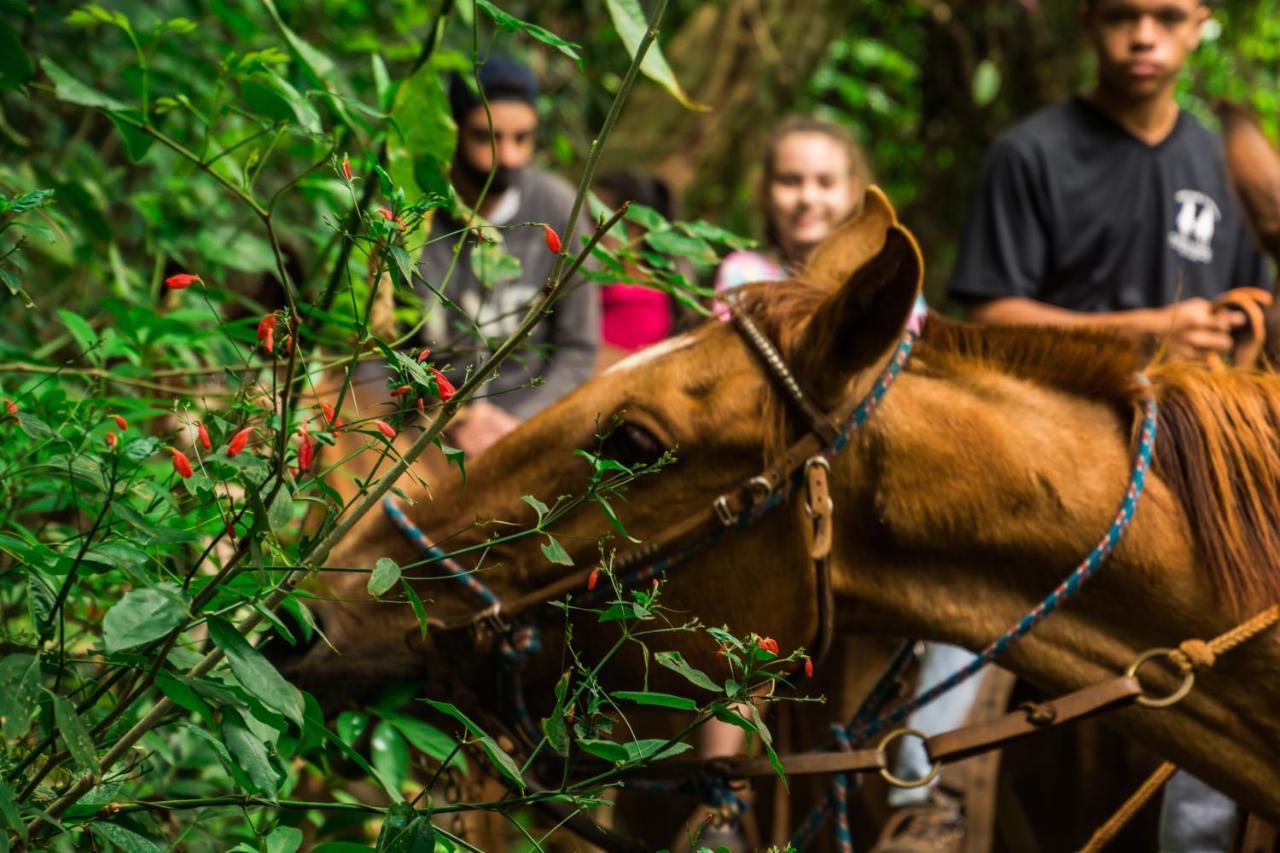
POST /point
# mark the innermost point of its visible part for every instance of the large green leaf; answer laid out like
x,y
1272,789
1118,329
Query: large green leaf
x,y
675,662
144,615
74,733
252,755
15,66
423,137
19,683
427,739
511,23
9,812
254,672
630,22
390,753
124,839
284,839
500,759
71,90
406,831
657,700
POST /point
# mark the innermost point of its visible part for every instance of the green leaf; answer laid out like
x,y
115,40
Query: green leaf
x,y
493,265
630,22
280,513
19,682
511,23
675,662
125,839
136,142
416,603
71,90
986,83
9,811
386,573
73,731
144,615
554,726
606,749
657,700
651,749
406,831
254,672
86,338
390,753
423,137
284,839
15,66
538,506
505,764
427,739
556,553
351,725
252,755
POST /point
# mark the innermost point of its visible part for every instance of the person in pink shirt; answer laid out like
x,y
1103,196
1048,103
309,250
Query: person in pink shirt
x,y
632,315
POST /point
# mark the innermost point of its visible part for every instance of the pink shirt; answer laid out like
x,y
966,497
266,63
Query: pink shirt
x,y
634,316
744,267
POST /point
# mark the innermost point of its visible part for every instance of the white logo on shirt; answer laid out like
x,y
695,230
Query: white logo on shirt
x,y
1194,225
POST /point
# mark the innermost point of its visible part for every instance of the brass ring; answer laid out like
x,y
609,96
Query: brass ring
x,y
884,762
1188,681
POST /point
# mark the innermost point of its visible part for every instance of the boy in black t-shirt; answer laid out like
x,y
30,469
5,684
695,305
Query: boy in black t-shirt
x,y
1113,209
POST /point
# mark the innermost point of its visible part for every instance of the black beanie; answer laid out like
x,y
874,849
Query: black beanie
x,y
502,78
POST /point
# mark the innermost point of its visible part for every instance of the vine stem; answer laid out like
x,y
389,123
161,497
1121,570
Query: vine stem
x,y
537,311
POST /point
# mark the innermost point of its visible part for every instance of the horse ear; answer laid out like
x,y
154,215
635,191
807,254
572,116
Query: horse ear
x,y
858,325
854,243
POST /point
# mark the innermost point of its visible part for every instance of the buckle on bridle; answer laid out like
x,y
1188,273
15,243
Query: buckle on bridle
x,y
759,486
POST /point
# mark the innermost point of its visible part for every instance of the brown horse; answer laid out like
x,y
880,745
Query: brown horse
x,y
993,464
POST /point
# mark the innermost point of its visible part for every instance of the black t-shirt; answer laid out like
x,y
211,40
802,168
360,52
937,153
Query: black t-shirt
x,y
1074,211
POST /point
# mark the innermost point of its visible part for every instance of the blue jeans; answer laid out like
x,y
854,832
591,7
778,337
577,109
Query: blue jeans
x,y
946,712
1195,818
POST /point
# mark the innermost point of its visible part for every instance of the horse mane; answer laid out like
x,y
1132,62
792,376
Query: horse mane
x,y
1218,435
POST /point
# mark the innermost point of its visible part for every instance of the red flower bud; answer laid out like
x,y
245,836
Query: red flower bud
x,y
112,440
11,407
593,579
181,463
181,281
329,414
553,239
768,644
230,530
306,452
568,714
423,355
444,386
385,428
422,407
391,217
238,441
808,667
266,324
288,345
120,422
203,435
401,391
269,341
346,167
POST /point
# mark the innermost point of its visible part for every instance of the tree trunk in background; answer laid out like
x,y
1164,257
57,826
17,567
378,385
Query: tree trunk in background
x,y
750,61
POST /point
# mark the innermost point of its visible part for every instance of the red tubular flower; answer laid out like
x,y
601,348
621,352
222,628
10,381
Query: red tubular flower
x,y
11,407
238,441
808,667
424,354
768,644
181,463
120,422
391,217
269,341
422,407
553,239
346,168
306,452
266,324
401,391
203,435
329,414
385,428
444,386
181,281
112,440
593,579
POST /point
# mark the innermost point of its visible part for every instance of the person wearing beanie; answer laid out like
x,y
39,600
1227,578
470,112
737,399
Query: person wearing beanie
x,y
493,173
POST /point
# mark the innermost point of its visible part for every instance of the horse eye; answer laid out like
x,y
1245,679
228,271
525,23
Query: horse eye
x,y
632,445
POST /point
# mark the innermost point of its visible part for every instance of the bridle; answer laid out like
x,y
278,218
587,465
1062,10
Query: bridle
x,y
805,464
